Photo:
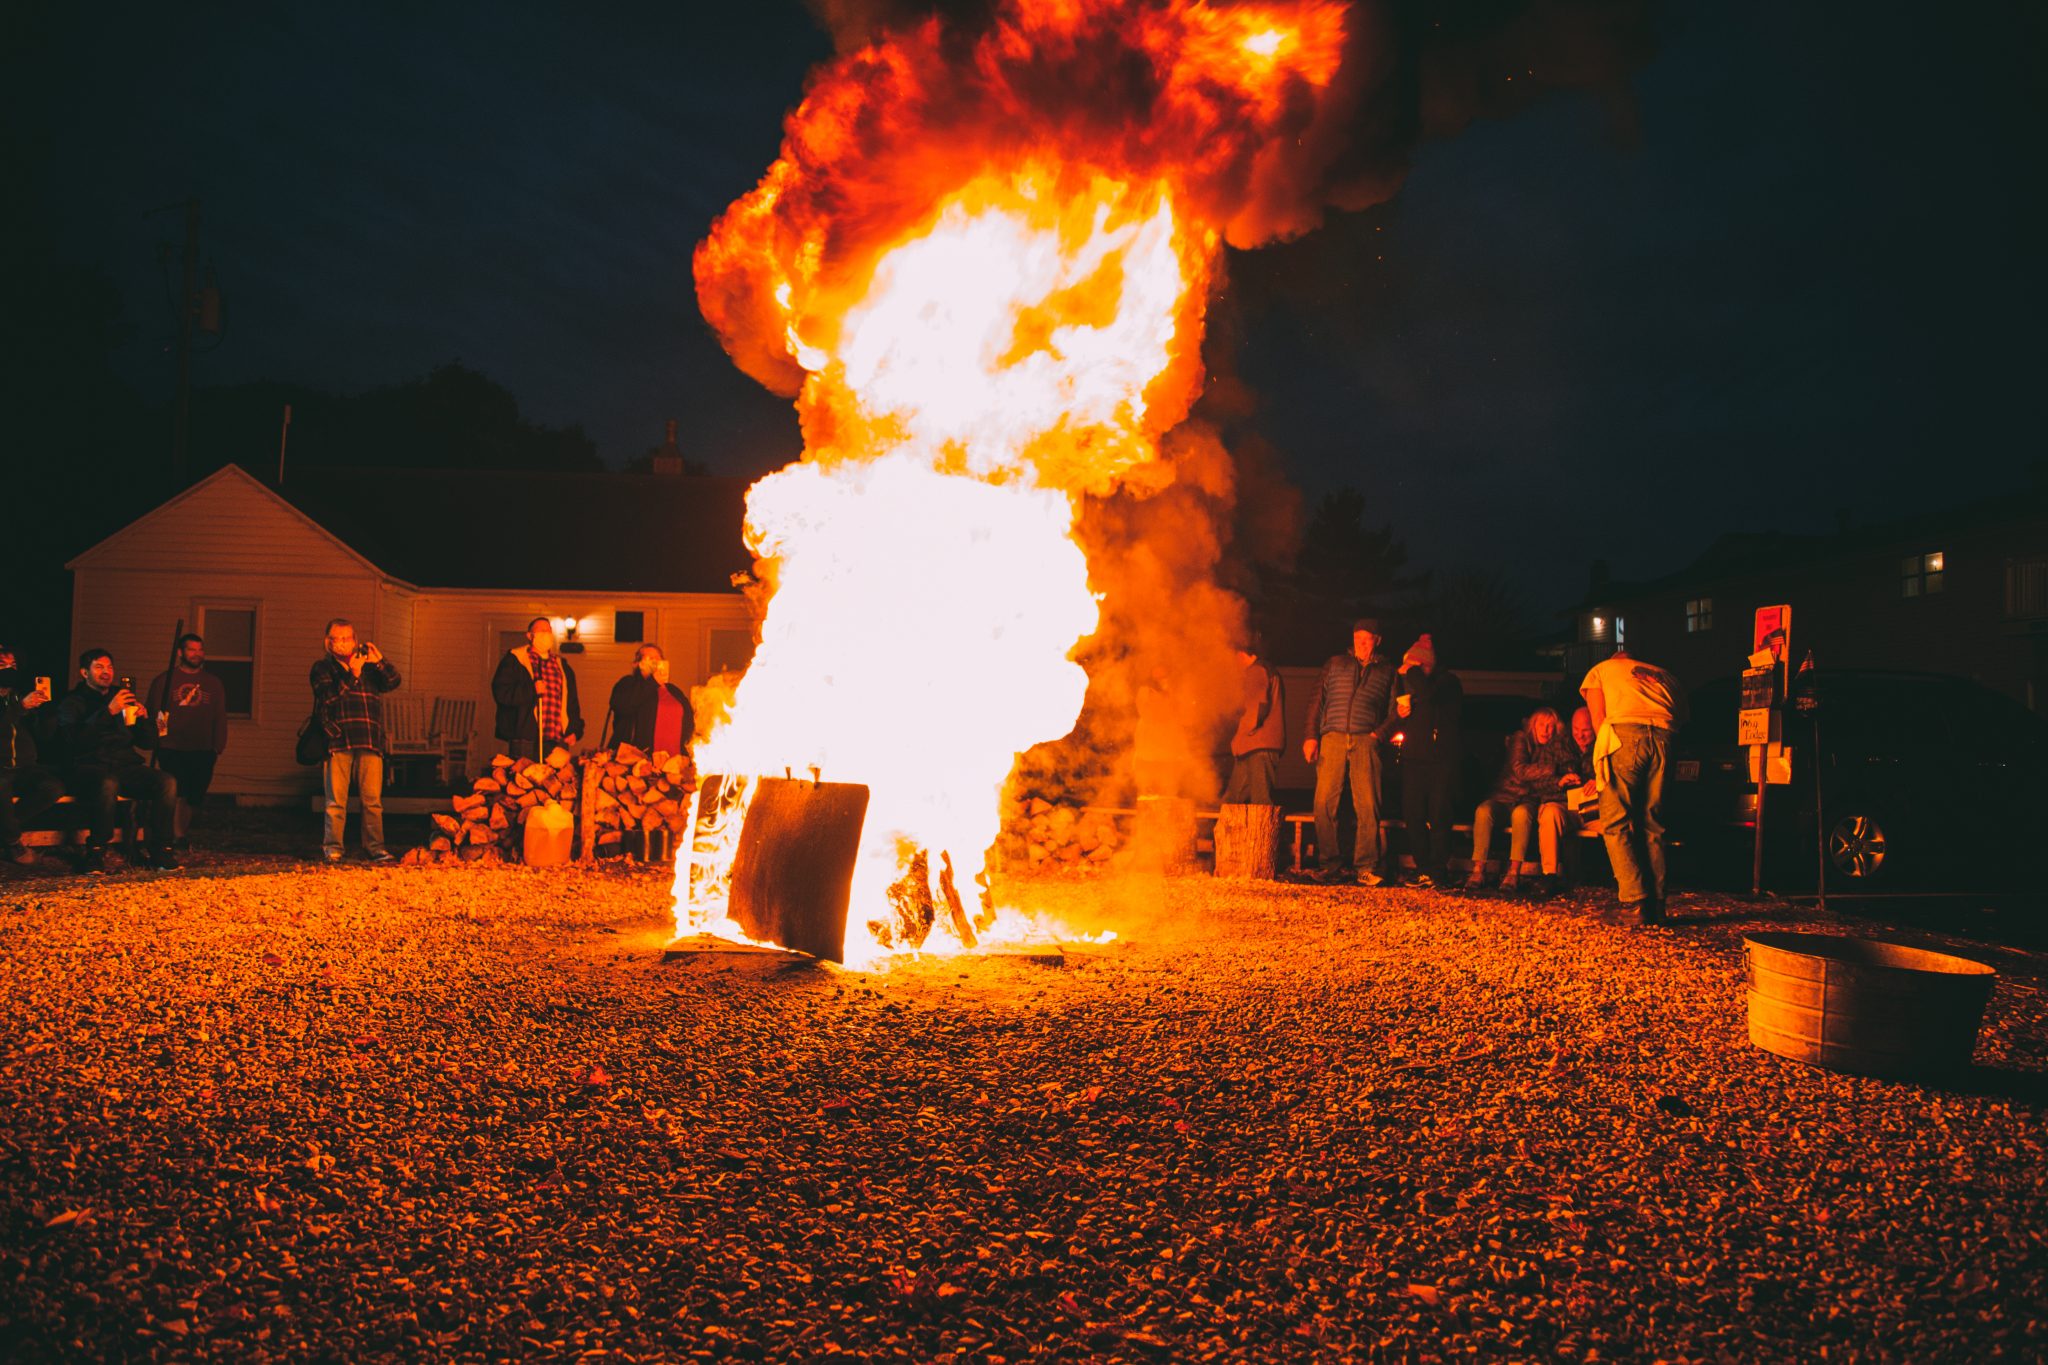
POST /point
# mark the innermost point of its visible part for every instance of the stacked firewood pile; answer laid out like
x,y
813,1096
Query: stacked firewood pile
x,y
631,793
637,793
1038,833
488,824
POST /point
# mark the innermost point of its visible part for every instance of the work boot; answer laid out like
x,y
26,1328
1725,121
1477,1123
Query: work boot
x,y
162,858
1627,915
94,860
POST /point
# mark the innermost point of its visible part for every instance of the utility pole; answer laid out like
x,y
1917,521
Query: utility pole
x,y
188,307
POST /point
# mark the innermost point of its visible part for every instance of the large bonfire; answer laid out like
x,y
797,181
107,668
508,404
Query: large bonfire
x,y
981,265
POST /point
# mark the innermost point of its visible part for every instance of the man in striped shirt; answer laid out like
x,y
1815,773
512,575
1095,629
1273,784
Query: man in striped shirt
x,y
1349,713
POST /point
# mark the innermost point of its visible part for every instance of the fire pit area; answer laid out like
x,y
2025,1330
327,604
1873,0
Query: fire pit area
x,y
260,1111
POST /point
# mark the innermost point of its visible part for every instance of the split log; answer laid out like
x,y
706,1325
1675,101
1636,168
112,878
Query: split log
x,y
1248,842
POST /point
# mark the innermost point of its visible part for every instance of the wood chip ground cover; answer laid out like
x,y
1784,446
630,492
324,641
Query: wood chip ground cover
x,y
258,1111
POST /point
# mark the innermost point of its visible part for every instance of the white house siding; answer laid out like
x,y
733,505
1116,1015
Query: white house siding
x,y
228,542
455,645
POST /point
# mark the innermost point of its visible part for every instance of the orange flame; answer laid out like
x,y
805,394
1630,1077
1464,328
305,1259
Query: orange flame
x,y
982,270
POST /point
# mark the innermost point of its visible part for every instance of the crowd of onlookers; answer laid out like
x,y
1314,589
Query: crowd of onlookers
x,y
1614,748
102,741
87,746
90,744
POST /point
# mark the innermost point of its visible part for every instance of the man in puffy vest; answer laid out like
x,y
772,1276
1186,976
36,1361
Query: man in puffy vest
x,y
1349,714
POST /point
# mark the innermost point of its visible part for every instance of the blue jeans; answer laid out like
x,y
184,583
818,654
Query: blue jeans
x,y
367,767
1252,778
1358,755
1632,813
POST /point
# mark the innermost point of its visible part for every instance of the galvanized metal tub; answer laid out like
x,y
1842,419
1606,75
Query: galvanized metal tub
x,y
1865,1007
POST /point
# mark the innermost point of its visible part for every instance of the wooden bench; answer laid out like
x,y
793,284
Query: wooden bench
x,y
126,828
1304,821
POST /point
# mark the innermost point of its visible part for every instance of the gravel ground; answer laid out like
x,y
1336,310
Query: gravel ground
x,y
257,1110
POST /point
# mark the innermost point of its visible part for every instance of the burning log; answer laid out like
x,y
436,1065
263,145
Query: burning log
x,y
913,909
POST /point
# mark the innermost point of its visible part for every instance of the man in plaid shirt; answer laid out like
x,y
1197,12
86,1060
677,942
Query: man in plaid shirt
x,y
348,687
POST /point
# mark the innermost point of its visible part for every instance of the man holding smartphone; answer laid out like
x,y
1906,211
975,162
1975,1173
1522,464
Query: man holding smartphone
x,y
27,789
349,684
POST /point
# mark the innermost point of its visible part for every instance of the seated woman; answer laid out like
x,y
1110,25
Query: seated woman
x,y
1541,764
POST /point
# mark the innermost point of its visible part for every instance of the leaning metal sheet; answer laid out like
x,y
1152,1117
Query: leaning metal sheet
x,y
792,874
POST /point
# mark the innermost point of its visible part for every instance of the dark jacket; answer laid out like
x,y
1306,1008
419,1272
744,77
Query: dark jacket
x,y
82,731
635,698
17,722
1534,772
1435,717
1352,698
514,690
1262,725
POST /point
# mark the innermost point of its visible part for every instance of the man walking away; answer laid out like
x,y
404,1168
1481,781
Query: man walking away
x,y
1261,731
535,691
1430,703
1349,713
349,683
648,711
190,706
26,788
94,732
1635,709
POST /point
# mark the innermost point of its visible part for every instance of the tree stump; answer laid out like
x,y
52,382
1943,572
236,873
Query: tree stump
x,y
1163,835
1248,842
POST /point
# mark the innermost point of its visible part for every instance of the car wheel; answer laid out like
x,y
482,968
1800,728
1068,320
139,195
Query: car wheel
x,y
1857,848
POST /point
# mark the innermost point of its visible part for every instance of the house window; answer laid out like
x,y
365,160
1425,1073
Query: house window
x,y
1920,575
230,636
629,627
2026,589
1699,615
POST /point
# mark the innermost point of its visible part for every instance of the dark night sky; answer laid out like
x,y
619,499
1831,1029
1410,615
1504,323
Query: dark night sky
x,y
1801,274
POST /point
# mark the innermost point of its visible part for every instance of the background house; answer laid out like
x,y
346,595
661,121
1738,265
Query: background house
x,y
442,569
1963,592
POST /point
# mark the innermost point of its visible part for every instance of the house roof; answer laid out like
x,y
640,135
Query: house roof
x,y
438,528
1741,554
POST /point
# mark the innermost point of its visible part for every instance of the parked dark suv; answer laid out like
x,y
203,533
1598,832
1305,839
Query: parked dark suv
x,y
1925,783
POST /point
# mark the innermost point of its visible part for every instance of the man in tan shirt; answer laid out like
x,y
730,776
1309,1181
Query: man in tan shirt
x,y
1635,709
